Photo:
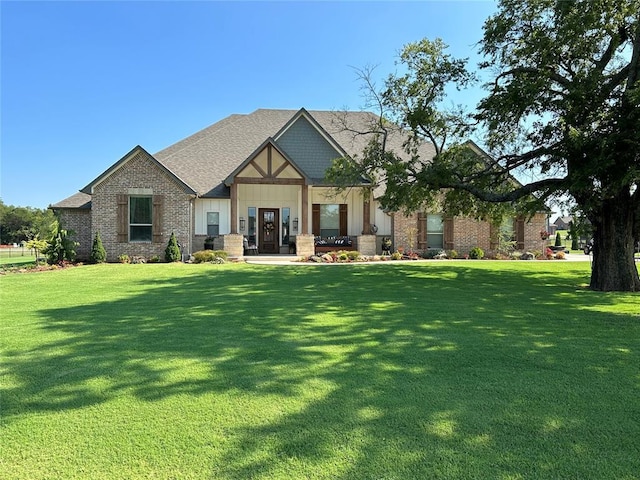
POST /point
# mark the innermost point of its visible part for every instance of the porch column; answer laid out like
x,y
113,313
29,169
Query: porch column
x,y
234,208
304,240
305,209
366,217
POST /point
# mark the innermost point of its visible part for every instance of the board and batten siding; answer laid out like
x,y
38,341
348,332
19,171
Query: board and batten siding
x,y
204,205
269,196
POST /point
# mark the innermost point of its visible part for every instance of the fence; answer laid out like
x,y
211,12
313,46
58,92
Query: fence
x,y
13,251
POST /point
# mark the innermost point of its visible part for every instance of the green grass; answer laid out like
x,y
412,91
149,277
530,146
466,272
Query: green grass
x,y
444,370
17,261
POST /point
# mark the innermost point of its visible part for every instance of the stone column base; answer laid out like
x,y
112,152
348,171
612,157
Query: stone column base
x,y
233,245
367,245
305,246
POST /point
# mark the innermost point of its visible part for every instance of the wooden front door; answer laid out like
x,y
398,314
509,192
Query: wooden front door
x,y
268,231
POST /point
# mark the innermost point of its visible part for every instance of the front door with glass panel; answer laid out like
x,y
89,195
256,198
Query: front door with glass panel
x,y
268,231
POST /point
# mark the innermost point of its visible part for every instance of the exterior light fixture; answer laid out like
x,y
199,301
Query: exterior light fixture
x,y
295,224
242,224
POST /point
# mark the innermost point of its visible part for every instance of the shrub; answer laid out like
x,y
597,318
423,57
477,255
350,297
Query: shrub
x,y
558,240
155,259
434,253
172,252
61,248
396,256
353,255
124,258
37,246
452,254
476,253
559,255
574,243
516,255
98,253
210,256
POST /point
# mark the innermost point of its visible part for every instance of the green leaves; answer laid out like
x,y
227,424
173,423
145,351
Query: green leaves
x,y
98,252
172,252
416,97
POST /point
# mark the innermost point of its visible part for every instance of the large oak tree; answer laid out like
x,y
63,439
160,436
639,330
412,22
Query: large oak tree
x,y
563,105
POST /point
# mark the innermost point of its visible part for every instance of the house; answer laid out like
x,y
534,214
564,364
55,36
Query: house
x,y
563,223
259,179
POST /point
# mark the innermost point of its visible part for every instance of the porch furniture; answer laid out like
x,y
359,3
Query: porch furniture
x,y
249,249
332,244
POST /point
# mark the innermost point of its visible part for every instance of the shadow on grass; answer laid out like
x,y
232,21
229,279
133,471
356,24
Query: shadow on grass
x,y
385,371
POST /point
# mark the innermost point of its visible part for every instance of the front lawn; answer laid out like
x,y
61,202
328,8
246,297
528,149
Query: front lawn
x,y
447,370
17,261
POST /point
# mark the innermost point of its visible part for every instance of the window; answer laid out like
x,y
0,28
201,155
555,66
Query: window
x,y
251,232
435,231
140,219
285,225
508,235
329,220
213,224
507,230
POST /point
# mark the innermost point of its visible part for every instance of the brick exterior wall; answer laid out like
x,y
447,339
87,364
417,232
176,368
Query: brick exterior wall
x,y
532,230
467,233
79,221
405,231
140,173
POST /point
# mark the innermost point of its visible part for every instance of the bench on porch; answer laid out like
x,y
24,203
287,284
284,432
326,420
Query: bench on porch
x,y
332,244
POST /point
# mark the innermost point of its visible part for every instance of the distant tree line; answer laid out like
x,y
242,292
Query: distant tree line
x,y
18,224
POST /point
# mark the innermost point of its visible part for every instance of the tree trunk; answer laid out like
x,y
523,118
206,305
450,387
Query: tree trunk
x,y
614,267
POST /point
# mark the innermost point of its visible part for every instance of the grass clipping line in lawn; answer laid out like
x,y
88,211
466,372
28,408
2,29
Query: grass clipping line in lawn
x,y
397,370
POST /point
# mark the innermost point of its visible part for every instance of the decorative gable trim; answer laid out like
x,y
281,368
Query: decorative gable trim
x,y
124,160
268,173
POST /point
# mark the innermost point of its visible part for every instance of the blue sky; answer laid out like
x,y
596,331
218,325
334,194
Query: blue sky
x,y
84,82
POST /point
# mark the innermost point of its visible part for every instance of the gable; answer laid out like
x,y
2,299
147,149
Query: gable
x,y
135,156
268,163
308,148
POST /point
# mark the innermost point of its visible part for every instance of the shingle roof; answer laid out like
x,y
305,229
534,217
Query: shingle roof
x,y
205,159
565,220
78,200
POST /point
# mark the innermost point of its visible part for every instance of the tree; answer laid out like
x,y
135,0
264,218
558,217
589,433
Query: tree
x,y
558,240
563,108
18,224
568,89
172,252
37,246
98,253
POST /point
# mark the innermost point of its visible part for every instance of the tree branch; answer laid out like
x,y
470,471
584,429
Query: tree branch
x,y
511,196
634,64
614,43
565,82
